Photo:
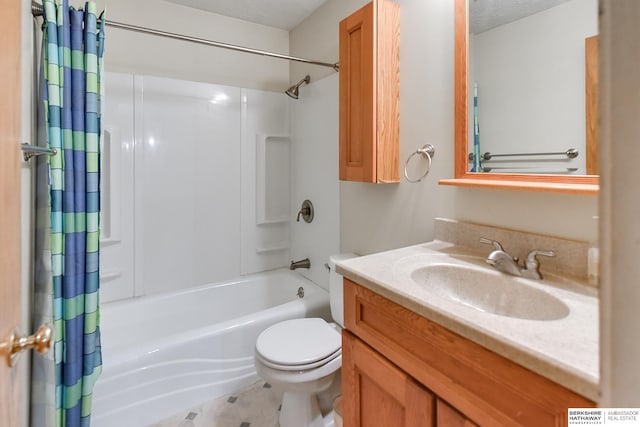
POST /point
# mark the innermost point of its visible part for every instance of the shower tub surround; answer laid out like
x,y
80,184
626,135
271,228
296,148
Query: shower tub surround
x,y
167,353
196,175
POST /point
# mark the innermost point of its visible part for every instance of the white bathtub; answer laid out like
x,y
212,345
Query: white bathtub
x,y
164,354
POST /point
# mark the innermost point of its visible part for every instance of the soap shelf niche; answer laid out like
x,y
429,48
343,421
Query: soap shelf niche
x,y
106,276
273,177
273,193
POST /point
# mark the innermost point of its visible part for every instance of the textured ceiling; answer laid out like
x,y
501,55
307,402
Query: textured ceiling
x,y
285,14
487,14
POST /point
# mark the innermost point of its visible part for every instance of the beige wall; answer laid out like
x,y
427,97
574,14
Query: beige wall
x,y
128,51
379,217
317,38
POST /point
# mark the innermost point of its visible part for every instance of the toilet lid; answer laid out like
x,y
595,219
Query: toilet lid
x,y
298,342
300,368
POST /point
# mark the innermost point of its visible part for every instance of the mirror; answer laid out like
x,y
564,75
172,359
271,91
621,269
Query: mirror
x,y
533,106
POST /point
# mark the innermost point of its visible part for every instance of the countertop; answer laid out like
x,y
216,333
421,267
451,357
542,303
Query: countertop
x,y
564,350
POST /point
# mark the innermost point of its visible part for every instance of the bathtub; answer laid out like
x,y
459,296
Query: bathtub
x,y
167,353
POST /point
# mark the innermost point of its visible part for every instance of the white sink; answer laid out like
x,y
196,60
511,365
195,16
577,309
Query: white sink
x,y
490,291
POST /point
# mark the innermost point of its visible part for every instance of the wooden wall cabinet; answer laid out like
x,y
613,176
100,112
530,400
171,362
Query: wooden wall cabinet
x,y
401,369
369,107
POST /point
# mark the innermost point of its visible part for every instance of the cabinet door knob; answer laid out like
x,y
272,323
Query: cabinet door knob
x,y
15,343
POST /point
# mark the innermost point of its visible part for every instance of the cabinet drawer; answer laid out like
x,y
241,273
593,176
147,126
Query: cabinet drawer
x,y
487,388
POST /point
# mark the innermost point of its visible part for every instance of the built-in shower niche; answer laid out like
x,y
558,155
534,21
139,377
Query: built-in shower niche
x,y
273,177
117,189
110,199
273,189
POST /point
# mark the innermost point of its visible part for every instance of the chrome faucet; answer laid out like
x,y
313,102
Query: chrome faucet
x,y
502,261
303,263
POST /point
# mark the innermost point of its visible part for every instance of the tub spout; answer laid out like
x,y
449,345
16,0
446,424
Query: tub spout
x,y
303,263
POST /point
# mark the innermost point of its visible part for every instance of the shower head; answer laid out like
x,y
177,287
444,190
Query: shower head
x,y
293,90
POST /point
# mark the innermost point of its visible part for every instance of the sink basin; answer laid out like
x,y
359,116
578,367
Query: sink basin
x,y
490,291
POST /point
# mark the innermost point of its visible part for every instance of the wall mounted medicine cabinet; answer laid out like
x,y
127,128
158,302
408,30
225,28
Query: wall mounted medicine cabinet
x,y
369,94
471,92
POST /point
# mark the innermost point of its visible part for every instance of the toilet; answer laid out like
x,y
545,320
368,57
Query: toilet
x,y
302,357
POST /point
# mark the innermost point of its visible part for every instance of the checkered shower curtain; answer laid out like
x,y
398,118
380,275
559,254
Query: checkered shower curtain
x,y
73,42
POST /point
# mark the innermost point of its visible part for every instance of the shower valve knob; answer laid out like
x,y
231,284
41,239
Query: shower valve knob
x,y
306,211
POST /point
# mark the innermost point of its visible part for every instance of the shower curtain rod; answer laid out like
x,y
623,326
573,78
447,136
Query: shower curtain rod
x,y
37,10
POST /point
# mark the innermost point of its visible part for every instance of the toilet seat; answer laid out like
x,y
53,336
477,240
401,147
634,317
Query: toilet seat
x,y
298,344
317,378
301,367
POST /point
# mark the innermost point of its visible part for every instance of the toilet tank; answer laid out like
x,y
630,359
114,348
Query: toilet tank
x,y
336,289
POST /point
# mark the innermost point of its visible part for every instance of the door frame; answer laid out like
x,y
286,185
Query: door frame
x,y
10,262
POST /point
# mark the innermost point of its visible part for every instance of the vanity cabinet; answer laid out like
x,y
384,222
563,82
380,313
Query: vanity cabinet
x,y
399,365
369,110
379,393
449,417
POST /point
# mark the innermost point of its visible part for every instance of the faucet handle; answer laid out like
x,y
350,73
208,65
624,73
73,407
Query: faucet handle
x,y
496,245
531,260
531,264
531,256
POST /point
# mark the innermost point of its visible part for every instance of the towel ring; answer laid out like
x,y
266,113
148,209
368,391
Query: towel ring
x,y
427,151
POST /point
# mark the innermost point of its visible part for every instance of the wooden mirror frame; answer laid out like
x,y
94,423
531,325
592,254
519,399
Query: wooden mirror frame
x,y
578,184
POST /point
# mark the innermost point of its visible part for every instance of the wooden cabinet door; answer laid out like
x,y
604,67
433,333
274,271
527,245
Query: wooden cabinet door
x,y
369,107
591,104
357,97
377,393
446,416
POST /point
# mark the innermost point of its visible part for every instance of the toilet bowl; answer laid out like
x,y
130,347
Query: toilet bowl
x,y
302,357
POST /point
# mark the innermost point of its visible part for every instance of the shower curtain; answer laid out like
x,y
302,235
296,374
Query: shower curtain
x,y
68,215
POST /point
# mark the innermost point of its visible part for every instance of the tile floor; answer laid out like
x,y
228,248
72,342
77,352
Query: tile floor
x,y
257,406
